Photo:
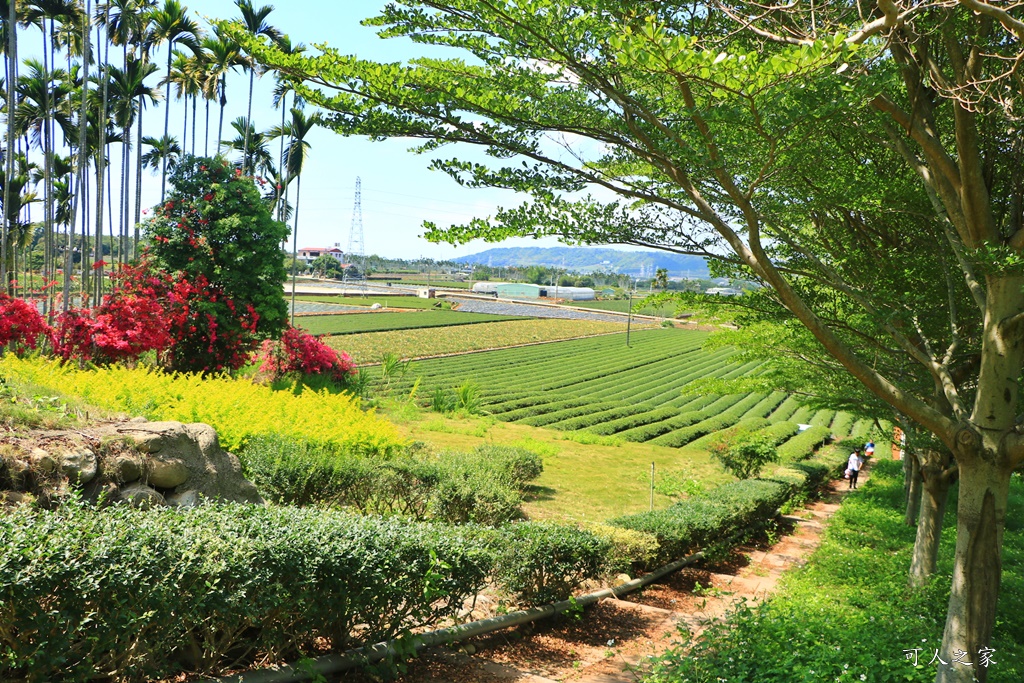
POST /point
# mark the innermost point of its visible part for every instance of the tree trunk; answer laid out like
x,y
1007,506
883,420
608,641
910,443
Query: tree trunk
x,y
138,180
987,449
248,125
977,569
295,243
912,469
167,123
934,490
206,131
223,101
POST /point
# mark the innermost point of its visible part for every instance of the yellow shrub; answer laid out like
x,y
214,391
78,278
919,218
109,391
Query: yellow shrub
x,y
237,408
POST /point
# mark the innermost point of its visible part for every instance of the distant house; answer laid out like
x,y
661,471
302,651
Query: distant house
x,y
724,291
310,254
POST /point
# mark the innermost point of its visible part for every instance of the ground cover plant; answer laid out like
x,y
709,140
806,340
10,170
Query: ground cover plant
x,y
367,347
237,407
848,615
354,323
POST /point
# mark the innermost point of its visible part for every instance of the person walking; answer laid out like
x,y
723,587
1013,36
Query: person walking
x,y
853,466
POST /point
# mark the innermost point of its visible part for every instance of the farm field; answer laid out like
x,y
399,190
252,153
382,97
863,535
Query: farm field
x,y
622,306
600,388
369,300
368,347
352,323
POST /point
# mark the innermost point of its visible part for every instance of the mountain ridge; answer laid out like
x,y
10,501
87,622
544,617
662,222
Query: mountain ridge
x,y
589,259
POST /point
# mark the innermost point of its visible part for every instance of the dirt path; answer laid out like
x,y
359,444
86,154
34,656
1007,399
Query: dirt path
x,y
614,641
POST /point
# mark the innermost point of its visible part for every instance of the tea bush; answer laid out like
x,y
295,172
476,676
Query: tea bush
x,y
150,593
538,563
483,486
708,518
238,408
804,444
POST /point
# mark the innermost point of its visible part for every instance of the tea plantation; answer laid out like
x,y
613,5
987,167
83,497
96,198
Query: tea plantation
x,y
638,393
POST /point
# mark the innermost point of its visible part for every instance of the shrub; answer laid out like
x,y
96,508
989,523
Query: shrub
x,y
467,397
238,408
146,594
746,456
483,486
709,518
21,325
804,443
538,563
299,353
627,548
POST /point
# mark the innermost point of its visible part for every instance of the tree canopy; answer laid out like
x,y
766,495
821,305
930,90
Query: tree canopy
x,y
863,163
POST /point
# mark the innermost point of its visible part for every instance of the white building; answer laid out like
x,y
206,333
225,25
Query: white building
x,y
310,254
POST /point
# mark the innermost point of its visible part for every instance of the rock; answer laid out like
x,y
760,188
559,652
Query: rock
x,y
124,469
213,473
141,496
17,471
79,465
622,578
166,474
43,461
101,491
469,648
185,499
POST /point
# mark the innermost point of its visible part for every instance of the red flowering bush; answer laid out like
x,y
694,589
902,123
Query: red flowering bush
x,y
21,325
299,352
71,338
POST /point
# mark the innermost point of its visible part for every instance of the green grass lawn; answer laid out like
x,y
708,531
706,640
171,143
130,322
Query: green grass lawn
x,y
581,482
848,614
385,301
353,323
622,305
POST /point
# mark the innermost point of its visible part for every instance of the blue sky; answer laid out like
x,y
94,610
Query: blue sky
x,y
398,191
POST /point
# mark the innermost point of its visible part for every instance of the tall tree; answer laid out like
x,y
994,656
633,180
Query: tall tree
x,y
252,149
172,26
223,55
698,117
255,22
164,154
296,131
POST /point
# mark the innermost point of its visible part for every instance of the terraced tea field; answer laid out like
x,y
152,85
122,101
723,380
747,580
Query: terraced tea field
x,y
602,388
354,323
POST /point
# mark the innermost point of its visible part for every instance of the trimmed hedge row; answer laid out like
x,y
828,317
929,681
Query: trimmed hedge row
x,y
685,435
567,413
803,444
147,594
584,421
842,424
685,419
744,426
709,518
541,408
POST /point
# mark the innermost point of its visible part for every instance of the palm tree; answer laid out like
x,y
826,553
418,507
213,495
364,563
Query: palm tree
x,y
129,94
661,278
283,86
18,196
187,77
9,45
296,131
223,55
165,153
172,25
255,22
258,157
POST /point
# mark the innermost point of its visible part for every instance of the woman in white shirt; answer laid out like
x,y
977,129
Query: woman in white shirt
x,y
853,467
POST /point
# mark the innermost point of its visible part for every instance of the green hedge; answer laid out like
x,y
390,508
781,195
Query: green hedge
x,y
804,444
483,486
147,594
709,518
538,563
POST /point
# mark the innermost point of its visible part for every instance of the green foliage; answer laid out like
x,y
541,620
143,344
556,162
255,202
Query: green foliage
x,y
483,486
146,594
467,397
849,614
539,563
710,518
804,444
745,457
628,548
215,225
443,401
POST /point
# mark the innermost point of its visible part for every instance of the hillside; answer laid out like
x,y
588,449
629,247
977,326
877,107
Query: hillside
x,y
589,259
